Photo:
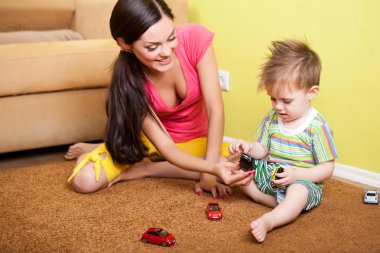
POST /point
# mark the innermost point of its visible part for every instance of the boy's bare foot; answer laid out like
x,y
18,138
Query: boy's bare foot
x,y
78,149
260,228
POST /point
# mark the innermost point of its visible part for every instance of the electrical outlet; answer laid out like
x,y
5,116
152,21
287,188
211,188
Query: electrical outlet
x,y
224,80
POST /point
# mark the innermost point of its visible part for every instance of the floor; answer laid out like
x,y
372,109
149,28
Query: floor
x,y
53,154
36,156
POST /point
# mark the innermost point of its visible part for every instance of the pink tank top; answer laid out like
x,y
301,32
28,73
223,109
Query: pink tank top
x,y
187,120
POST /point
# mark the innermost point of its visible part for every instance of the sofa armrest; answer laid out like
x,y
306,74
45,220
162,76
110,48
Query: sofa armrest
x,y
63,66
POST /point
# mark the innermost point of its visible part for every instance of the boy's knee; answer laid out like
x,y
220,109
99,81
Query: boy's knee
x,y
300,190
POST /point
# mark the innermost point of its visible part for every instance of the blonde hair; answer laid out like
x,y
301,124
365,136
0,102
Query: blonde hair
x,y
291,62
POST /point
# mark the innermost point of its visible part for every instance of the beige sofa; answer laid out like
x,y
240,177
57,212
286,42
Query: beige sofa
x,y
53,92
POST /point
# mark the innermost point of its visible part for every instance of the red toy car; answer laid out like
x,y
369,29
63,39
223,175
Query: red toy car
x,y
214,212
158,236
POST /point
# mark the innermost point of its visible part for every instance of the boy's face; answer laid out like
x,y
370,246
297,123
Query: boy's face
x,y
292,103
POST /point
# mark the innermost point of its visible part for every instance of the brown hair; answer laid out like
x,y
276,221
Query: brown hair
x,y
290,62
127,103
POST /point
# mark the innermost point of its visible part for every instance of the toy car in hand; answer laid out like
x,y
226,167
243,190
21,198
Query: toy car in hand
x,y
246,163
213,211
371,197
158,236
278,169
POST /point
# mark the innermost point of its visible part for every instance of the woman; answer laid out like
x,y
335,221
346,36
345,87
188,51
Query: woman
x,y
165,85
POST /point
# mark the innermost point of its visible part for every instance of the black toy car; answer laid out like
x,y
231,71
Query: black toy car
x,y
247,163
278,169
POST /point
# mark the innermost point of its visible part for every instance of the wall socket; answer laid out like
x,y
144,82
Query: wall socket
x,y
224,80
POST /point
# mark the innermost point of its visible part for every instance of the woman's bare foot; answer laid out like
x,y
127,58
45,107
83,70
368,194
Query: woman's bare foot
x,y
133,172
78,149
260,228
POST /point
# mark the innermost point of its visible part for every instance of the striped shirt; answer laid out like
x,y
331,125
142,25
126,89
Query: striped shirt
x,y
308,145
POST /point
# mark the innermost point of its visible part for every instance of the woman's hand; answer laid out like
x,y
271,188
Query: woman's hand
x,y
209,183
231,174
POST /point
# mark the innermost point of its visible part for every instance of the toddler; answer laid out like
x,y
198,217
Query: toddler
x,y
293,135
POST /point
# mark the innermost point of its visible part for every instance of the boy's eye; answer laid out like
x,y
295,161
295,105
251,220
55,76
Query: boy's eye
x,y
286,101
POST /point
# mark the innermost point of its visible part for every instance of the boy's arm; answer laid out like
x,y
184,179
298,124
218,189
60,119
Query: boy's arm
x,y
253,149
258,151
316,174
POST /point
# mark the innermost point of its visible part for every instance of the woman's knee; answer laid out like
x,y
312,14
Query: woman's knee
x,y
85,180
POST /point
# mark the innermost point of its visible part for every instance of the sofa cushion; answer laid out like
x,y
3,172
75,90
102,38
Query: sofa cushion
x,y
18,15
39,36
88,13
54,66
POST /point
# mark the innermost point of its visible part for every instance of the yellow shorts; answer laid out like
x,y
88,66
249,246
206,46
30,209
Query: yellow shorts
x,y
195,147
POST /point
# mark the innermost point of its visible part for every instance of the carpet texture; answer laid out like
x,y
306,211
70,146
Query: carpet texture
x,y
40,213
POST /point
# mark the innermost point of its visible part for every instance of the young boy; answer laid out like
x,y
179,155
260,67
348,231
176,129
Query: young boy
x,y
292,135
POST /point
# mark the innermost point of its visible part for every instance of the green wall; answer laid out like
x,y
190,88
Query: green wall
x,y
346,35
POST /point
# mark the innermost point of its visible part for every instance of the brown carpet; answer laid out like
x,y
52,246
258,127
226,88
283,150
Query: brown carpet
x,y
40,213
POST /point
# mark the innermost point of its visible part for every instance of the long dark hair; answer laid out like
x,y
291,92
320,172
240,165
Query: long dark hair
x,y
127,104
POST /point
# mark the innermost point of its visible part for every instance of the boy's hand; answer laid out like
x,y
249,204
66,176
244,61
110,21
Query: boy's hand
x,y
285,178
239,146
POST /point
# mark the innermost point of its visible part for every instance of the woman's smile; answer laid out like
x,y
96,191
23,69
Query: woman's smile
x,y
165,61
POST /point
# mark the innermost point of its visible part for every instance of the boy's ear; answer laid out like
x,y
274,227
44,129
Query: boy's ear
x,y
313,92
124,46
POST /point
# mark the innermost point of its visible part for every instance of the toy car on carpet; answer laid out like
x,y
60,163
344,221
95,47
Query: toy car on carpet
x,y
158,236
213,211
371,197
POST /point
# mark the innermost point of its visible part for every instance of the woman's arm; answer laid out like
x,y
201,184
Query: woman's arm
x,y
209,79
167,148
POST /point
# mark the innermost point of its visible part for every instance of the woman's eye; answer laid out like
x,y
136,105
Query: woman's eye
x,y
287,101
172,38
151,48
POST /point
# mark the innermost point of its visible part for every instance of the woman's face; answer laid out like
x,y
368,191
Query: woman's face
x,y
155,48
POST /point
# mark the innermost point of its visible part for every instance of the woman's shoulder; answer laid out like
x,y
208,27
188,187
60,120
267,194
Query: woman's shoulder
x,y
191,27
192,31
193,41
